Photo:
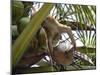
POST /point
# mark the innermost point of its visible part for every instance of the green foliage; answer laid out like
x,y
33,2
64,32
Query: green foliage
x,y
23,40
22,23
17,10
83,14
36,70
14,31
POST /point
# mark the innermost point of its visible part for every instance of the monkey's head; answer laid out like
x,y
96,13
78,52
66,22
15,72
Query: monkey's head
x,y
50,22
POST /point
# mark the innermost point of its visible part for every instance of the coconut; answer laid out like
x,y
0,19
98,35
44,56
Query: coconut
x,y
23,22
17,10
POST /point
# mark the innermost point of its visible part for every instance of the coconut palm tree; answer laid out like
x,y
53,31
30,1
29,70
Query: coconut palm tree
x,y
81,19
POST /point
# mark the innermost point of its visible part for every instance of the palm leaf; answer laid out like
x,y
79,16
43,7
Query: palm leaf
x,y
23,40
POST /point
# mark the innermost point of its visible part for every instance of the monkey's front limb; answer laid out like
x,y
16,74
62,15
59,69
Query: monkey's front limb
x,y
69,32
63,28
50,47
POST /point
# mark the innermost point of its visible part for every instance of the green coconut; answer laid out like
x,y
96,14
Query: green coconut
x,y
14,31
17,10
23,22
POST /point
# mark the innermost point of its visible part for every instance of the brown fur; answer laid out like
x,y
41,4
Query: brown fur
x,y
53,29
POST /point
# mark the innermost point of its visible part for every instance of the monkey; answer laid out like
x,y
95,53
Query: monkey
x,y
53,29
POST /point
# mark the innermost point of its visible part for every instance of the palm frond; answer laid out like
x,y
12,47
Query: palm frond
x,y
23,40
